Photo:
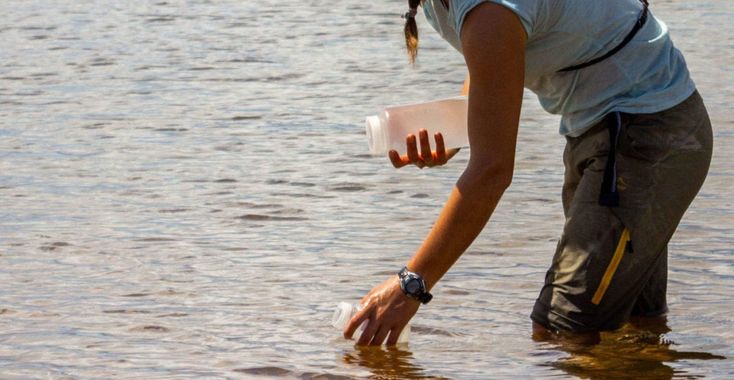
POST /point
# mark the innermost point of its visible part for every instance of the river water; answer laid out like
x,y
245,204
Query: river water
x,y
185,193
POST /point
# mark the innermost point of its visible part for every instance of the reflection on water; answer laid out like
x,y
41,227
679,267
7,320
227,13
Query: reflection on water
x,y
640,349
387,362
637,350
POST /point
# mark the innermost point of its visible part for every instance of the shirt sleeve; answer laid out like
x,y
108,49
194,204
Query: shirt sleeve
x,y
525,9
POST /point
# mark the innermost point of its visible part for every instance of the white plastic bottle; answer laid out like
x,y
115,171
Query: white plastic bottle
x,y
388,130
345,311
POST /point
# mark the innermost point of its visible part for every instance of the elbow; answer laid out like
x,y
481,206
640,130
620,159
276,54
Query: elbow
x,y
505,180
500,178
490,179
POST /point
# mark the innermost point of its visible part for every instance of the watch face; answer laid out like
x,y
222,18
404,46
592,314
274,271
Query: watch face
x,y
413,286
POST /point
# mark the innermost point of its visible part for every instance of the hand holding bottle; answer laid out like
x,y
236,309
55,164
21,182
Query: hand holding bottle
x,y
388,130
387,309
426,157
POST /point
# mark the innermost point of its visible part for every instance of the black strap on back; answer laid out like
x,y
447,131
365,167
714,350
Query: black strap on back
x,y
638,25
609,194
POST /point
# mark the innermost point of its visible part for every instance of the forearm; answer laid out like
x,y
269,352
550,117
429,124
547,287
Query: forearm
x,y
465,214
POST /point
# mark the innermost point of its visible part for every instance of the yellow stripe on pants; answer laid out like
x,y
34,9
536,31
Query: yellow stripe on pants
x,y
607,279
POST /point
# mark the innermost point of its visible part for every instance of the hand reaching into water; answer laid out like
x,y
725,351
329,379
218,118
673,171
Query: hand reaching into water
x,y
426,158
387,310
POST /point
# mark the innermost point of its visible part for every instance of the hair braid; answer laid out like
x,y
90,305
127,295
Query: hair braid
x,y
411,30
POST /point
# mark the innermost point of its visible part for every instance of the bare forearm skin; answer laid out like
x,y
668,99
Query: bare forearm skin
x,y
465,214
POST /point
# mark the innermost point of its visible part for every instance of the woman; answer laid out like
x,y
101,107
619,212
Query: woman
x,y
638,150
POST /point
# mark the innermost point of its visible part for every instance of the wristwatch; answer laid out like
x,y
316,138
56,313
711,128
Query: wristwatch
x,y
413,285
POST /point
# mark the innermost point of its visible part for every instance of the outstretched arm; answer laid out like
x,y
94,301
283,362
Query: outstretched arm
x,y
493,43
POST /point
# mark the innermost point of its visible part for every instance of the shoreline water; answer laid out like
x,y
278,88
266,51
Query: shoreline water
x,y
187,192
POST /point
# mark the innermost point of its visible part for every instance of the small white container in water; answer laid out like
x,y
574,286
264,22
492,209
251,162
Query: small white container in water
x,y
388,130
345,311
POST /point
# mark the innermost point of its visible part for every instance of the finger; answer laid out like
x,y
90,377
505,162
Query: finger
x,y
397,161
369,332
426,154
394,335
354,323
440,149
380,336
413,151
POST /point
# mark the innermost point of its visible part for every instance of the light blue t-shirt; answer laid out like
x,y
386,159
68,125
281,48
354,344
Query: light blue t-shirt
x,y
648,75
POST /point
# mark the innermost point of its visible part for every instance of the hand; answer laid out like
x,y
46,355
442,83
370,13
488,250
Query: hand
x,y
426,157
387,310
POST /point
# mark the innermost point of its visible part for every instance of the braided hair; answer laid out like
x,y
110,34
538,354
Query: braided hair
x,y
411,30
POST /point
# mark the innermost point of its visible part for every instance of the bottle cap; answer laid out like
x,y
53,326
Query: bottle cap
x,y
375,135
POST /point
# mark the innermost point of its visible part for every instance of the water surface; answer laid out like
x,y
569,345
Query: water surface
x,y
185,193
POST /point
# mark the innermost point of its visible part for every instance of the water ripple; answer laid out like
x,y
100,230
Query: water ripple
x,y
187,193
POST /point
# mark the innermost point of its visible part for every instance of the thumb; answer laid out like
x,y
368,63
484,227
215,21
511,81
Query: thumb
x,y
355,322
